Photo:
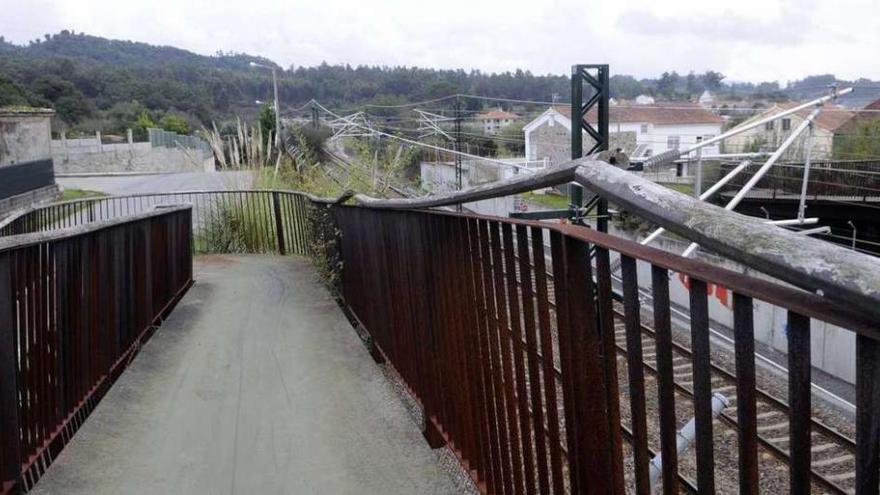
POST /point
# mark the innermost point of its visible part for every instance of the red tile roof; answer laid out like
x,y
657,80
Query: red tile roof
x,y
496,114
664,113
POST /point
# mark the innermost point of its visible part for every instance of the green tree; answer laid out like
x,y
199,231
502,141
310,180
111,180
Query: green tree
x,y
143,122
859,141
11,93
512,138
667,83
267,120
712,80
174,123
693,85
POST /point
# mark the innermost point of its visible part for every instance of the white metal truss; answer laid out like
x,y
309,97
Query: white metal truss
x,y
429,124
806,125
354,125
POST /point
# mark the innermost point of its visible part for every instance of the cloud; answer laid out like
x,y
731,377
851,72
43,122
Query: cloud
x,y
725,28
747,40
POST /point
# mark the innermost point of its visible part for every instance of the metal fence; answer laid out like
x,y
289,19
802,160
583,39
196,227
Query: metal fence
x,y
243,221
849,178
510,333
510,347
168,139
75,306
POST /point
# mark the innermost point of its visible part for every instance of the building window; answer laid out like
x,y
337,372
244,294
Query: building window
x,y
644,128
769,126
672,142
786,124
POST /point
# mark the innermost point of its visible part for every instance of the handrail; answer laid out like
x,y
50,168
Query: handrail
x,y
23,240
558,174
806,303
839,274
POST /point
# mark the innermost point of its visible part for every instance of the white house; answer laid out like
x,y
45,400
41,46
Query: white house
x,y
657,128
707,99
493,121
829,123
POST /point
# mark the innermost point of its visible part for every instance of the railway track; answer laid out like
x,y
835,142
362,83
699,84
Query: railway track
x,y
833,453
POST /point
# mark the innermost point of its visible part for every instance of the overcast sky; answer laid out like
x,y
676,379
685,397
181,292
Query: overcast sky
x,y
747,40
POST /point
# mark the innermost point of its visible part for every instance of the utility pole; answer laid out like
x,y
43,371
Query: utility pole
x,y
595,77
277,105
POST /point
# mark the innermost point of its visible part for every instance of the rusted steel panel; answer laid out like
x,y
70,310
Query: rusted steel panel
x,y
799,390
79,321
604,303
746,408
516,339
534,360
590,425
665,380
561,292
702,386
867,416
504,348
548,370
635,368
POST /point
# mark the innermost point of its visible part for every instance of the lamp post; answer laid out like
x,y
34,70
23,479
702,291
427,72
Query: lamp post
x,y
277,113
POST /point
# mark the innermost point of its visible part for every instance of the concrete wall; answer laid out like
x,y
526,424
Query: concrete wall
x,y
25,151
30,198
440,177
25,136
88,155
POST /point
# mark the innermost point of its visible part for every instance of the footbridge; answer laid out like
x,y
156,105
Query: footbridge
x,y
274,342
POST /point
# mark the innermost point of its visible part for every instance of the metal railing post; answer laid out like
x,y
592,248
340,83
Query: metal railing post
x,y
279,223
10,443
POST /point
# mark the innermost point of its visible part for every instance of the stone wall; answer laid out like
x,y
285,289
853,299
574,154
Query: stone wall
x,y
77,156
30,198
25,135
554,142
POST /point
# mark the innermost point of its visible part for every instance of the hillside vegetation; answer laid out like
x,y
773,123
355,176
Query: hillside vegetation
x,y
100,84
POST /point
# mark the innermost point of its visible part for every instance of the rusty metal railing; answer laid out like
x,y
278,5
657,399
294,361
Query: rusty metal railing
x,y
245,221
75,306
508,342
517,369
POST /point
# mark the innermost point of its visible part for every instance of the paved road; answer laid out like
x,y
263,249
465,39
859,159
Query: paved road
x,y
256,384
131,184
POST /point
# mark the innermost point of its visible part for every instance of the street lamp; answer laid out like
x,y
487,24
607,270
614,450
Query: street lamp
x,y
277,113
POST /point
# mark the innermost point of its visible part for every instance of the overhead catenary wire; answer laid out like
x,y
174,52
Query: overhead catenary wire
x,y
424,145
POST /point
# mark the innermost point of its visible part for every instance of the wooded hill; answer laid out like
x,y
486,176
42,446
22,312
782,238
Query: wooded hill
x,y
100,84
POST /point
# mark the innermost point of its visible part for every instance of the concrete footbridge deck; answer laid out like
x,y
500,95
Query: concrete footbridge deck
x,y
257,383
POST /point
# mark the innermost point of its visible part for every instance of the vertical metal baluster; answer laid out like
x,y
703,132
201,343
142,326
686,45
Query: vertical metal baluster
x,y
635,367
799,401
702,386
665,380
